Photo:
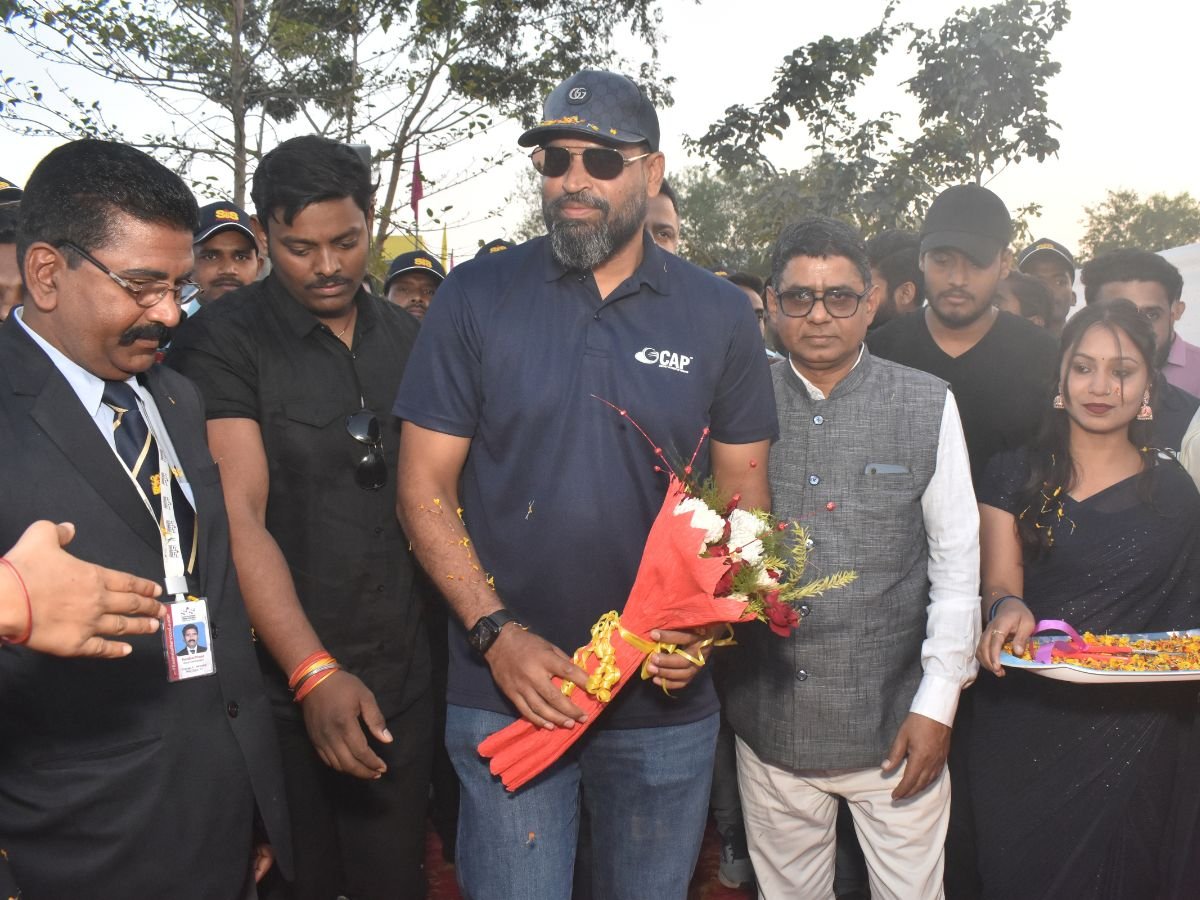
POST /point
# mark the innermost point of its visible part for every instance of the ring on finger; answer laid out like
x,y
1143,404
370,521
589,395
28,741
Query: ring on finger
x,y
995,631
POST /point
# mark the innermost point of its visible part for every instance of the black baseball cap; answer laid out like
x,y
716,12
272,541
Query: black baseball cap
x,y
969,218
414,261
499,245
9,191
604,106
222,216
1047,247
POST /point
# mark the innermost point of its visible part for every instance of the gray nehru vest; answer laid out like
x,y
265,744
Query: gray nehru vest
x,y
852,468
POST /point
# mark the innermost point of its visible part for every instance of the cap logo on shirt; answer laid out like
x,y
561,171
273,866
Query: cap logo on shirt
x,y
664,359
227,214
577,95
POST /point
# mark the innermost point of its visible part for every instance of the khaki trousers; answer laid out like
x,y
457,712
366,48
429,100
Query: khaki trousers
x,y
790,819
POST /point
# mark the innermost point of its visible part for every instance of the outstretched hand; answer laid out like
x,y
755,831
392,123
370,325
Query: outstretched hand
x,y
74,606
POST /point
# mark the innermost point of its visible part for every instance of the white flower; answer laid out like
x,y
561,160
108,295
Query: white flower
x,y
744,530
703,518
765,580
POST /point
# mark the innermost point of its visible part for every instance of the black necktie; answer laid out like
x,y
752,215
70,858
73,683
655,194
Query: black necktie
x,y
139,451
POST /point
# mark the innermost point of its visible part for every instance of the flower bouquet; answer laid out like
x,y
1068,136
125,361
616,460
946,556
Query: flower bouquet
x,y
706,562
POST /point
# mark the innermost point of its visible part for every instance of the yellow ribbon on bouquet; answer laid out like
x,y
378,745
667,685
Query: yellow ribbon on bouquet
x,y
606,674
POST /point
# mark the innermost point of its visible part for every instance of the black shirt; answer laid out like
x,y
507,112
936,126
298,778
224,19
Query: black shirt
x,y
259,354
1002,384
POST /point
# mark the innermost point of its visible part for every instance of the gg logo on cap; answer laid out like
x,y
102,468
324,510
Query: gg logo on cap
x,y
228,214
578,95
422,261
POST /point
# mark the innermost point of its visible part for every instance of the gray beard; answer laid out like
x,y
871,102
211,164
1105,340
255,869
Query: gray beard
x,y
582,245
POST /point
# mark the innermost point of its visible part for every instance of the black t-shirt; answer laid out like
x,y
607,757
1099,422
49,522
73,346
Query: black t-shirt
x,y
1002,384
259,354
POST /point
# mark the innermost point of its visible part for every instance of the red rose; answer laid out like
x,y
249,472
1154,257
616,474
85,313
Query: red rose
x,y
781,618
725,586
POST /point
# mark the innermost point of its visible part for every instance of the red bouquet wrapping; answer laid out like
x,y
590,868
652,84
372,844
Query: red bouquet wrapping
x,y
673,590
706,562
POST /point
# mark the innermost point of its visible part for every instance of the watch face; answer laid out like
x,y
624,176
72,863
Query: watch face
x,y
483,635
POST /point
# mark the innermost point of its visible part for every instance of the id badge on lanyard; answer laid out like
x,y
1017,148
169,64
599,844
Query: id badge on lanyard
x,y
187,637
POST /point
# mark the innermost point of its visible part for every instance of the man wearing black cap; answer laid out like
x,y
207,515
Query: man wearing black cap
x,y
412,280
1052,264
1001,368
499,245
999,365
10,273
11,288
557,493
226,252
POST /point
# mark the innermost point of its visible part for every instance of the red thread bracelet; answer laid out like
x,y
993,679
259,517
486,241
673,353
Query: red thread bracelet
x,y
23,639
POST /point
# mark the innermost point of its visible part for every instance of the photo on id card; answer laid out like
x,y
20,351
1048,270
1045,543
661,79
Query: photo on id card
x,y
187,640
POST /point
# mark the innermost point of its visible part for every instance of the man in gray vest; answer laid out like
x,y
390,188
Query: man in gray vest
x,y
871,457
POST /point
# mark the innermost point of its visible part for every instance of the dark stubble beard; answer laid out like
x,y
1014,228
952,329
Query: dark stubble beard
x,y
585,245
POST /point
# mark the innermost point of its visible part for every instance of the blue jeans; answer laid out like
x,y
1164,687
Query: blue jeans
x,y
646,795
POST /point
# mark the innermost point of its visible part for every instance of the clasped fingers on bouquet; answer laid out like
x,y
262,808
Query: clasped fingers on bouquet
x,y
523,665
674,671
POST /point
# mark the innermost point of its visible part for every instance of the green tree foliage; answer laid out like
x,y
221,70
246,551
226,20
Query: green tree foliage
x,y
981,90
234,78
1123,219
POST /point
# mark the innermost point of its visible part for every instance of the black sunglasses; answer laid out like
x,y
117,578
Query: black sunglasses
x,y
600,162
371,472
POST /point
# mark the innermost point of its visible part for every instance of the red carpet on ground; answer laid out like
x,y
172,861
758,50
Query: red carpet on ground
x,y
704,886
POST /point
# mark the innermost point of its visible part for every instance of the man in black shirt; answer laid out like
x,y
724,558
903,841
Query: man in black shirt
x,y
1002,371
298,374
1000,366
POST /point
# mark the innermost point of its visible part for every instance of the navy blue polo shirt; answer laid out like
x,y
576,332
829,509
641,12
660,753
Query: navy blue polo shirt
x,y
559,491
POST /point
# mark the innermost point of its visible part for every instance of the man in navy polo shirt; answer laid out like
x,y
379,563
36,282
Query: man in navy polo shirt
x,y
558,493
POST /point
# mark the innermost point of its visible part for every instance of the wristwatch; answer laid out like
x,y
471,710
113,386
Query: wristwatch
x,y
487,629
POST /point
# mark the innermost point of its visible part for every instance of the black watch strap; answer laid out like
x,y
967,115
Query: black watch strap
x,y
487,629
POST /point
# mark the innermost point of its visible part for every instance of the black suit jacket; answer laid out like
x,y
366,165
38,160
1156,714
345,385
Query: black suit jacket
x,y
95,754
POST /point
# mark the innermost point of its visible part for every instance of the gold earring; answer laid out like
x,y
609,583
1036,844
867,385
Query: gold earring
x,y
1145,414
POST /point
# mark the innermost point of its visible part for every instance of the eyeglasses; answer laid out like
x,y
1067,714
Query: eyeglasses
x,y
145,293
600,162
371,472
841,303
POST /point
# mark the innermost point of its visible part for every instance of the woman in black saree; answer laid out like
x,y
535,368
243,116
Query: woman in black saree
x,y
1088,791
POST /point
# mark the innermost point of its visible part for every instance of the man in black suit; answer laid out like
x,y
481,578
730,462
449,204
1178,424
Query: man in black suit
x,y
191,640
94,750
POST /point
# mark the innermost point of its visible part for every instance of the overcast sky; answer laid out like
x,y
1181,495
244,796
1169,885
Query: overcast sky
x,y
1125,100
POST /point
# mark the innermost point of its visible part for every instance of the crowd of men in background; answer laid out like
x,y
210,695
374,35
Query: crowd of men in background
x,y
360,582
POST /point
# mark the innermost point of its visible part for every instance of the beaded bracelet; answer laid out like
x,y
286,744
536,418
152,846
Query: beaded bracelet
x,y
24,638
312,683
996,605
